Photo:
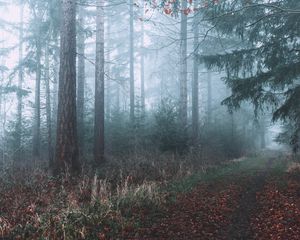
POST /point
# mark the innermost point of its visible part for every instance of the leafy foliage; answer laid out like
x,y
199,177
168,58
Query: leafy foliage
x,y
264,68
167,131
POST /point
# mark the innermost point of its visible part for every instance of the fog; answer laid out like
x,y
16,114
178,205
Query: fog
x,y
145,90
157,63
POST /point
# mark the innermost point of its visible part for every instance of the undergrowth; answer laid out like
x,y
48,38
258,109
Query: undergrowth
x,y
34,205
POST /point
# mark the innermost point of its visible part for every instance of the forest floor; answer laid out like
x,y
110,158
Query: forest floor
x,y
256,197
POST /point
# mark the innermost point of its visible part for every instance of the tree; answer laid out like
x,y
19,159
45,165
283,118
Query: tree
x,y
265,68
209,98
195,85
48,105
108,71
143,61
99,86
183,68
38,12
81,79
131,60
20,86
66,137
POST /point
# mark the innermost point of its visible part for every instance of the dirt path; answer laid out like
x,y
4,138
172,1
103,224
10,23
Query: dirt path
x,y
220,210
240,228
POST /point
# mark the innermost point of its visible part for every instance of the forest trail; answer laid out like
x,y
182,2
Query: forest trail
x,y
229,208
247,207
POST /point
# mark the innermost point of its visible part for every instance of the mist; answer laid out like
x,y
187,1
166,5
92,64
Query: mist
x,y
115,114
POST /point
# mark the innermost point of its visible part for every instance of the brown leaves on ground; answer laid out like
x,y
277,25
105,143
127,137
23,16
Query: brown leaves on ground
x,y
207,212
279,214
203,213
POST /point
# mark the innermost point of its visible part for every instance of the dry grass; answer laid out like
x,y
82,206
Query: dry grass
x,y
35,206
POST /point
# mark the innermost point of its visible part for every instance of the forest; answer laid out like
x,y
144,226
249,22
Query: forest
x,y
149,119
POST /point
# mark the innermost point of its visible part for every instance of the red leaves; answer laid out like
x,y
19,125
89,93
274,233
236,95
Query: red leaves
x,y
205,213
168,11
202,214
171,7
279,217
208,211
187,11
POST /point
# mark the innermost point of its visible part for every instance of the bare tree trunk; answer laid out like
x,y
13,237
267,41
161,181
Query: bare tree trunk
x,y
209,99
118,94
99,86
19,92
37,103
4,119
143,62
66,137
108,82
262,131
55,88
183,68
232,127
81,83
48,107
131,43
195,87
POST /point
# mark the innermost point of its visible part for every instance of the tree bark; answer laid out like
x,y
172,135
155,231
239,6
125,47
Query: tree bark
x,y
66,157
195,85
99,86
183,69
262,131
117,94
48,107
37,103
19,92
131,50
81,82
143,62
209,99
55,87
108,81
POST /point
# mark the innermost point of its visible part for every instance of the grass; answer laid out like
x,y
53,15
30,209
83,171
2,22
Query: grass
x,y
250,165
95,208
88,208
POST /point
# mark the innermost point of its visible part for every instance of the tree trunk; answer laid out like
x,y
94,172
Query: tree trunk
x,y
37,103
118,94
48,107
195,87
262,133
209,99
183,69
143,62
3,113
99,86
108,82
81,82
131,43
55,88
66,137
19,92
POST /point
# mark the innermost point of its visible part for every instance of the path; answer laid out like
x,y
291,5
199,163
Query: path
x,y
222,209
241,219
